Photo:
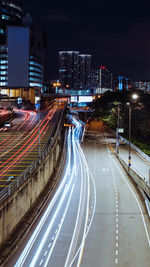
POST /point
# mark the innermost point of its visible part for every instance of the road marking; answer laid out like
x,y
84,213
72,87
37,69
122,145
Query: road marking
x,y
45,253
116,261
56,231
116,219
116,252
144,223
116,237
41,262
117,214
53,238
49,245
117,232
117,225
116,244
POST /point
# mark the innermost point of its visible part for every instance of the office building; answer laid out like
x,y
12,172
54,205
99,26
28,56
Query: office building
x,y
68,69
84,72
101,79
10,14
21,38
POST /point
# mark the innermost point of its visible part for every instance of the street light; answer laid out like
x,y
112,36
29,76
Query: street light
x,y
56,85
117,132
133,97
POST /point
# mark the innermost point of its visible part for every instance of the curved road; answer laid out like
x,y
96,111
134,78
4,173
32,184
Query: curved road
x,y
120,233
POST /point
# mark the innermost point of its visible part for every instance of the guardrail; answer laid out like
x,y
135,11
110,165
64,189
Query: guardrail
x,y
6,192
136,149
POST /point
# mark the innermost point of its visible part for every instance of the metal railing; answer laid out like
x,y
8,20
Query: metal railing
x,y
136,149
6,192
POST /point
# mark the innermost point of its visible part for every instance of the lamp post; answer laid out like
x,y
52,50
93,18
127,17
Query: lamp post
x,y
129,157
117,132
133,97
56,85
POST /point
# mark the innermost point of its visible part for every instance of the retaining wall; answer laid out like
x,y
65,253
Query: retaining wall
x,y
19,202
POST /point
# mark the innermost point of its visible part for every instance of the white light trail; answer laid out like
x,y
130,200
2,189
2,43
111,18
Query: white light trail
x,y
36,232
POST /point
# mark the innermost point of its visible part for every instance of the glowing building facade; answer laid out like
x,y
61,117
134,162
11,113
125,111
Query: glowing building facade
x,y
74,70
20,38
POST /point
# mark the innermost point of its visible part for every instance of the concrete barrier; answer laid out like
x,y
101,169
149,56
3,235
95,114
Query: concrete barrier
x,y
17,204
143,187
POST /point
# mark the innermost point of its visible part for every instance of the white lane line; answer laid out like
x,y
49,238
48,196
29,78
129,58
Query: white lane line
x,y
87,210
52,238
32,240
116,261
56,231
45,253
116,220
92,217
116,237
143,219
78,213
64,215
117,245
49,245
117,232
116,252
117,225
41,262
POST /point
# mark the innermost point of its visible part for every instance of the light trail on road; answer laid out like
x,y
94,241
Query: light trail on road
x,y
20,146
73,188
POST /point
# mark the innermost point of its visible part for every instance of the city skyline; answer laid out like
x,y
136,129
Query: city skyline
x,y
114,36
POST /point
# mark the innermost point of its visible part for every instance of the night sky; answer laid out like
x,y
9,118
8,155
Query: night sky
x,y
116,33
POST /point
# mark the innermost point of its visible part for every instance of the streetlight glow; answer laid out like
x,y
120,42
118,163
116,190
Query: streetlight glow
x,y
135,96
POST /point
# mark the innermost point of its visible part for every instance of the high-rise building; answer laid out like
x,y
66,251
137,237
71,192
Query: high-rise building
x,y
68,69
10,14
84,72
22,51
36,51
101,79
74,70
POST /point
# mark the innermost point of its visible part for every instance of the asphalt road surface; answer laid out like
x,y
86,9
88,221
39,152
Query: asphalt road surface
x,y
57,238
96,217
120,232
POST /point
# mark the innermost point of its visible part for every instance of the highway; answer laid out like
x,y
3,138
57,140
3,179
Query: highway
x,y
120,232
96,216
19,146
58,237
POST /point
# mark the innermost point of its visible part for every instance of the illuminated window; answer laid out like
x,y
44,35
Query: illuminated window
x,y
36,69
3,67
35,63
35,84
5,17
35,79
12,5
3,61
3,78
35,74
3,72
1,31
3,83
